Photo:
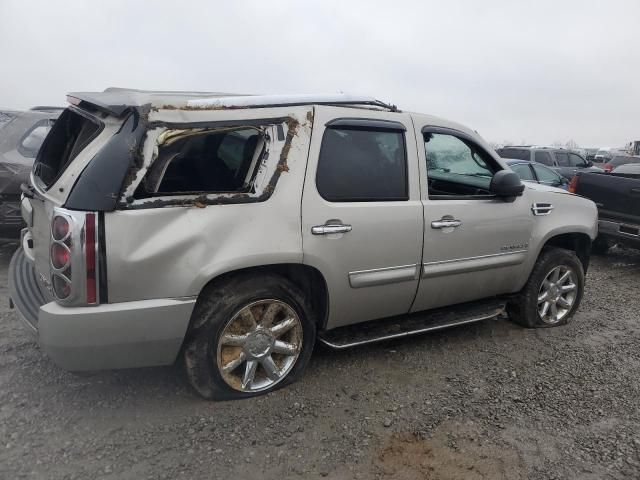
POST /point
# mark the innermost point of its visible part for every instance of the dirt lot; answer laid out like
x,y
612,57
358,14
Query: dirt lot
x,y
490,400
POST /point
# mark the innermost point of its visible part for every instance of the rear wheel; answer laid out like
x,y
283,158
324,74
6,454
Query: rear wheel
x,y
250,335
553,292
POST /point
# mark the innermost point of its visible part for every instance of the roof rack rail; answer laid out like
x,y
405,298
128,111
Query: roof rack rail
x,y
287,100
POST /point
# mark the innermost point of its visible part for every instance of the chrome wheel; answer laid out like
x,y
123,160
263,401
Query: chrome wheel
x,y
259,346
557,294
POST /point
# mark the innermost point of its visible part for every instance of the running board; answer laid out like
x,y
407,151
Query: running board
x,y
412,324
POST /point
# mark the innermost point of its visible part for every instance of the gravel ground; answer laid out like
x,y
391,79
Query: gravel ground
x,y
490,400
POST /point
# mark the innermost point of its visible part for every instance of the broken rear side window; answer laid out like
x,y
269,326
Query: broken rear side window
x,y
206,161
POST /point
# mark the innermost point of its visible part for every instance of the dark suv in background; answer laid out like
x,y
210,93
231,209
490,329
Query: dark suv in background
x,y
565,162
21,135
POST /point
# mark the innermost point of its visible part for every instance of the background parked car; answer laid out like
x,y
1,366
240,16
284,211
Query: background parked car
x,y
619,160
603,155
590,154
616,196
566,162
537,173
21,135
628,169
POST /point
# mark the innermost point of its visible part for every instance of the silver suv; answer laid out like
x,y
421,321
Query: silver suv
x,y
235,231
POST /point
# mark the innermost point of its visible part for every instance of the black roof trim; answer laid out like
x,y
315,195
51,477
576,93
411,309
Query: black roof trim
x,y
115,108
366,123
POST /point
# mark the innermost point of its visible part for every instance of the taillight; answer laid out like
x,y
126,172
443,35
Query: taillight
x,y
61,286
60,256
607,167
72,257
573,184
90,256
59,228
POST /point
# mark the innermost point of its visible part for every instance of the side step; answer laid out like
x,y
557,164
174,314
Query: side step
x,y
412,324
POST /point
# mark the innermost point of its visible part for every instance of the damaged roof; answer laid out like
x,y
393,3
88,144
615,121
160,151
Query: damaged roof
x,y
116,101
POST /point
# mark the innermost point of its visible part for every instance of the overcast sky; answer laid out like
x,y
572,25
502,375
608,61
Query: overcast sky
x,y
535,71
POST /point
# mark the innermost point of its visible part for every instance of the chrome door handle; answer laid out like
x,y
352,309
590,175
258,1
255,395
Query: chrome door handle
x,y
328,229
446,223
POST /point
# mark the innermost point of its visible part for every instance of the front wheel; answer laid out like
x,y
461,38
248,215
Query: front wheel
x,y
250,335
553,292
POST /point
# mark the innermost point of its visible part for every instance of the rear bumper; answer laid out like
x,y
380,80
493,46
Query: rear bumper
x,y
25,290
118,335
627,233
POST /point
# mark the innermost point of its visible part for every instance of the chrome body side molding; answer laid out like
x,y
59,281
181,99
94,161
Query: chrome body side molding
x,y
473,264
382,276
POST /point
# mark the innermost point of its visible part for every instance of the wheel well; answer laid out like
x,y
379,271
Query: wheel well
x,y
579,243
306,278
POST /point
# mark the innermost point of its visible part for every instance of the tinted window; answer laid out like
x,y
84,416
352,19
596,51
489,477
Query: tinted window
x,y
357,165
576,160
456,166
547,176
214,161
562,159
515,153
524,171
543,158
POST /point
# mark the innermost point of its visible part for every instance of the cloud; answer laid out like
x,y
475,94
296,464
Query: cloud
x,y
536,71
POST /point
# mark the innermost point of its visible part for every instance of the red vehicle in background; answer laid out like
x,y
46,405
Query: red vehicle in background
x,y
618,160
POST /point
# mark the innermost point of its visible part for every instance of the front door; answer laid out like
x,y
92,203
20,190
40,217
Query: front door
x,y
362,213
475,244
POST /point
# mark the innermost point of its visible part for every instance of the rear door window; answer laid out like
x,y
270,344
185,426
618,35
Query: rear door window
x,y
362,165
563,159
544,158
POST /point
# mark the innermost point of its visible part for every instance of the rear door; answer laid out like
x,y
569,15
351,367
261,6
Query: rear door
x,y
475,244
361,212
564,166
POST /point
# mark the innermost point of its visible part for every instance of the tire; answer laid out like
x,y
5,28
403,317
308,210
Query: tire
x,y
526,308
600,245
247,319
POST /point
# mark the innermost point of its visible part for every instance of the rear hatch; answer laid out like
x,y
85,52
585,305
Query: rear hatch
x,y
69,149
